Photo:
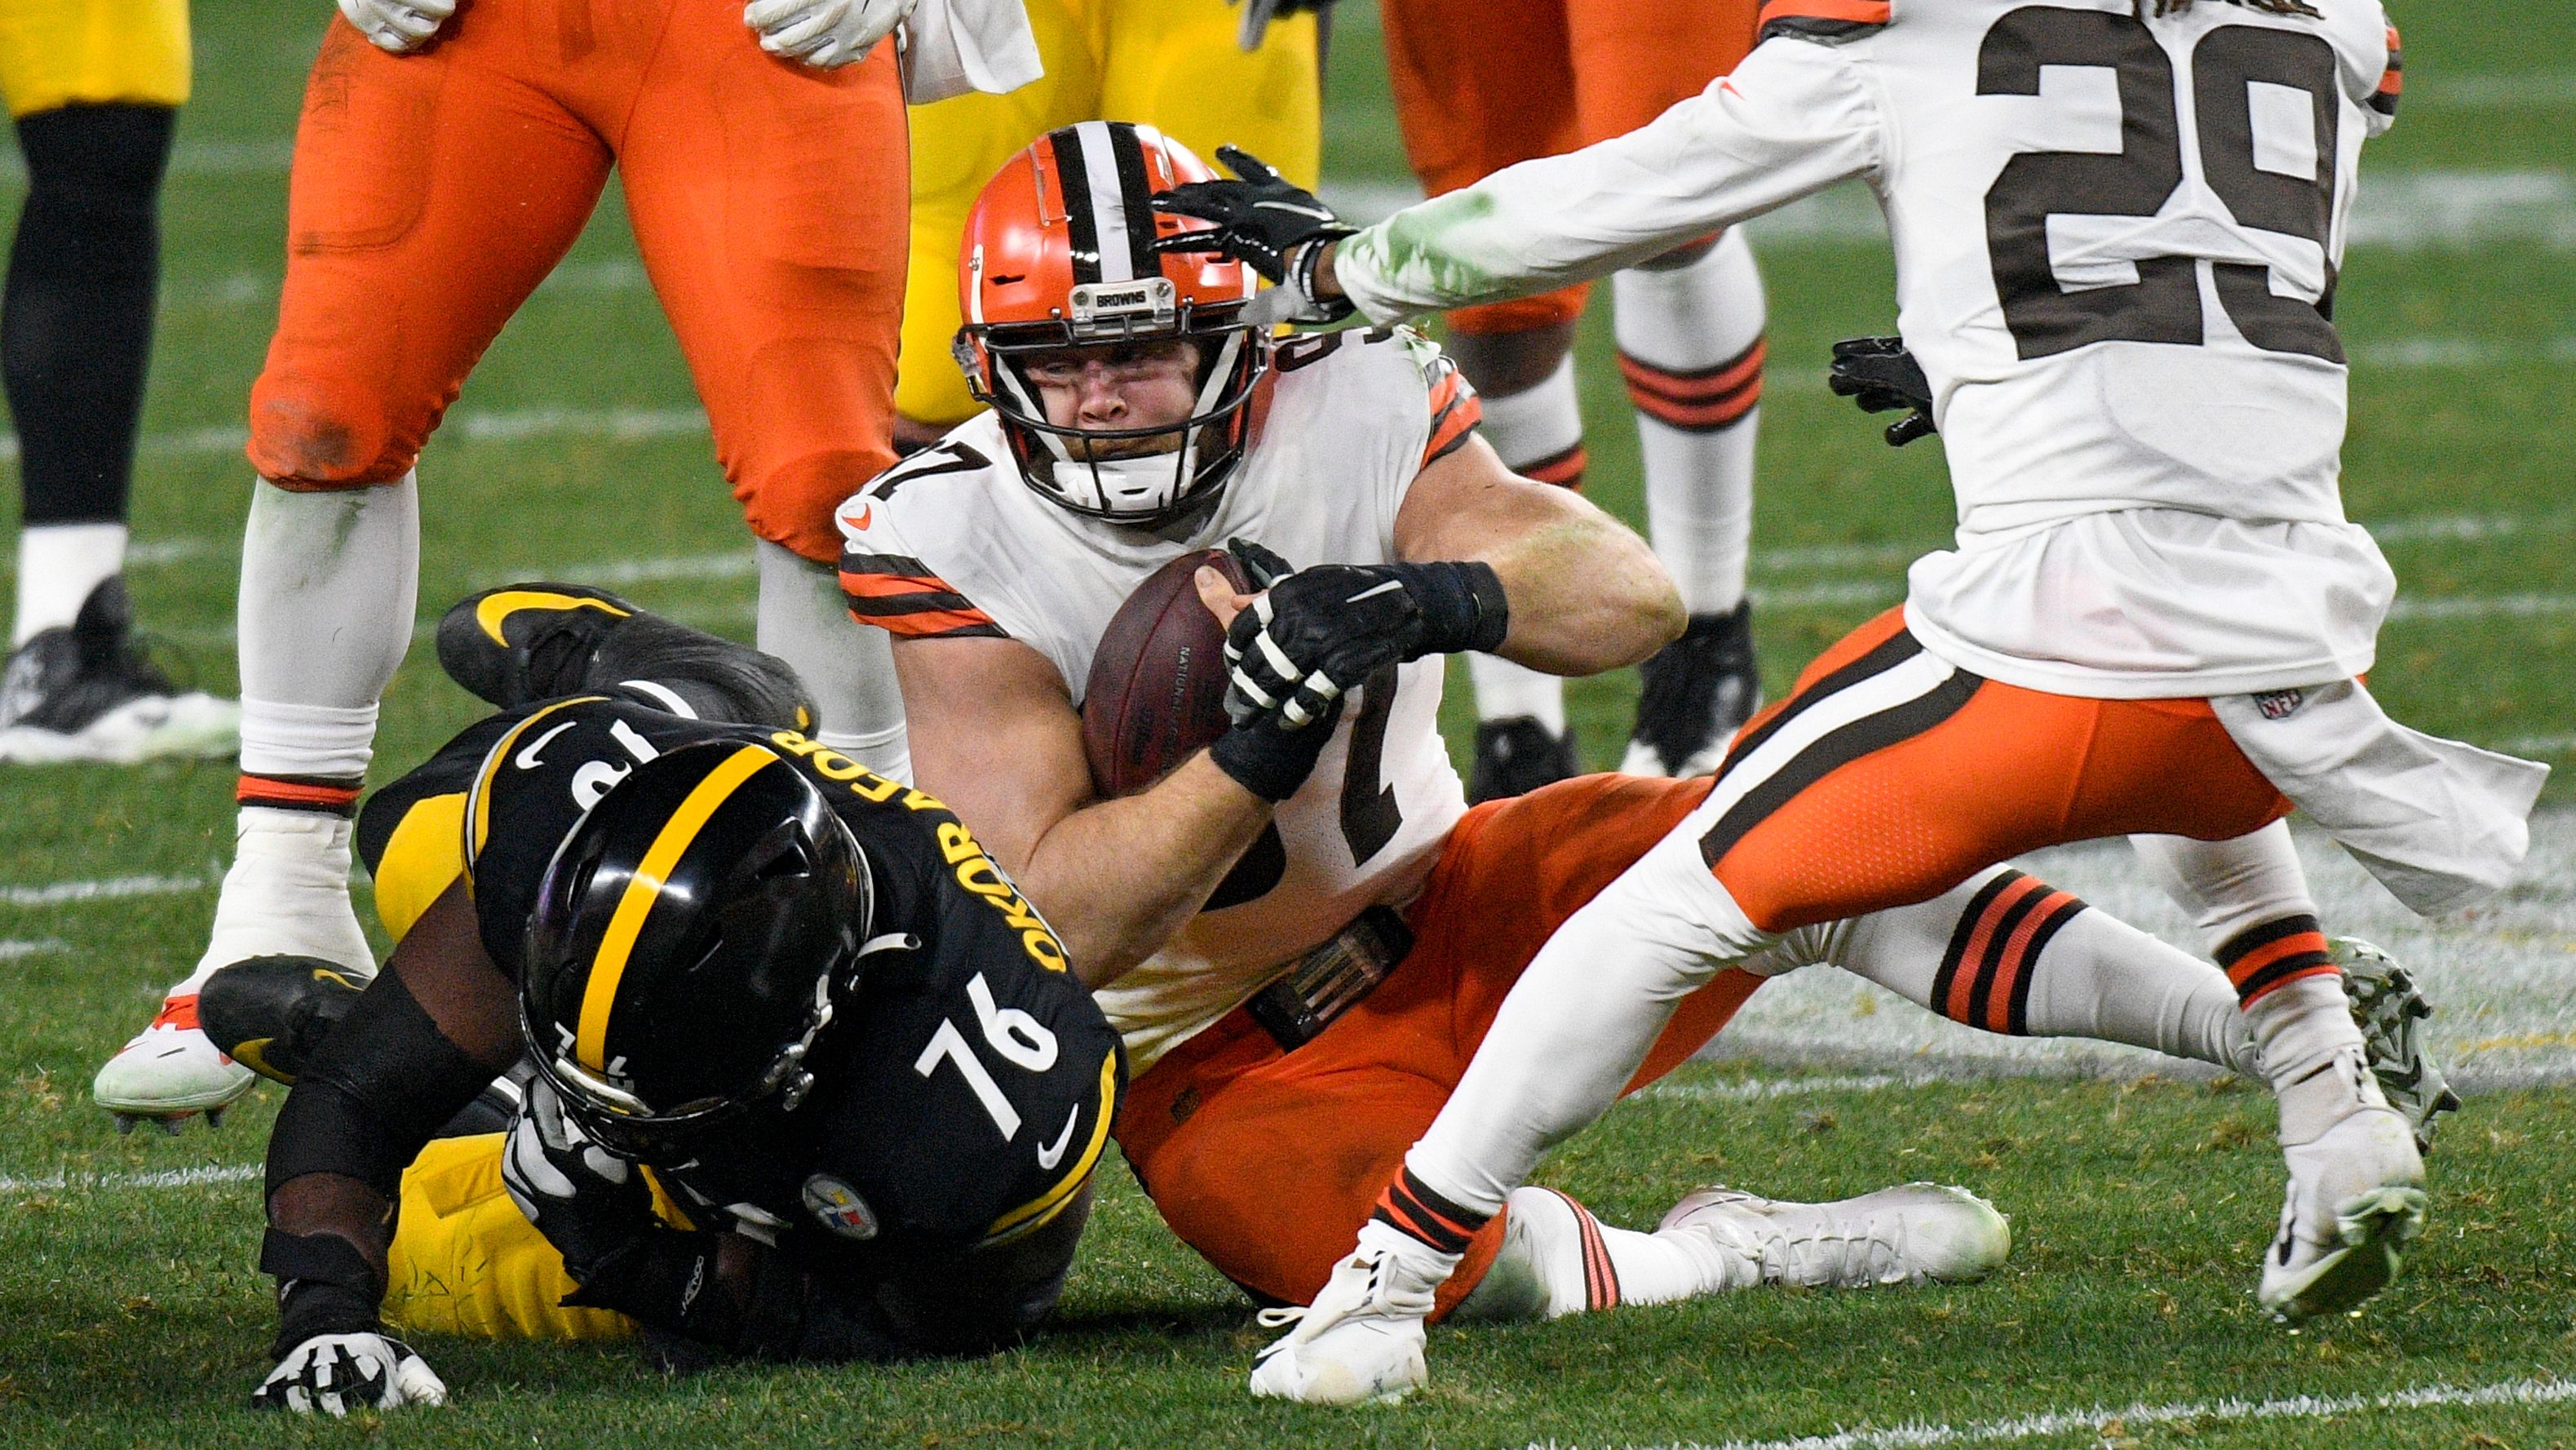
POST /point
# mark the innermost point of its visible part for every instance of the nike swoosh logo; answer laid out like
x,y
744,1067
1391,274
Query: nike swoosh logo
x,y
862,518
1053,1153
1375,592
1293,209
526,759
501,604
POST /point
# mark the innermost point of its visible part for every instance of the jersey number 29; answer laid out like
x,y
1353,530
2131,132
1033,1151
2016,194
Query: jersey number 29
x,y
2163,305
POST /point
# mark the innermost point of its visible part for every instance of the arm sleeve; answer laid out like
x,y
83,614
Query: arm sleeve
x,y
1795,118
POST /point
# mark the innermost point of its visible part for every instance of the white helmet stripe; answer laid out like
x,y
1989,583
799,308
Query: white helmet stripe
x,y
1118,259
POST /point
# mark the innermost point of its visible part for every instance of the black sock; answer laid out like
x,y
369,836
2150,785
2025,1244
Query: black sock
x,y
76,317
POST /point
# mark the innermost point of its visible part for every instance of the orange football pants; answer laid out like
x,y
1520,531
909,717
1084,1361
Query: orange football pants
x,y
432,192
1898,805
1267,1162
1480,86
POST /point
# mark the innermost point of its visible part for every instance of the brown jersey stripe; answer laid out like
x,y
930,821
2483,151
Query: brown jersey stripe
x,y
1895,650
329,794
938,624
1840,747
1455,412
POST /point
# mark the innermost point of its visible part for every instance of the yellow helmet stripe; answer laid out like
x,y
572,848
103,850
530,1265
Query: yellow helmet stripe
x,y
1034,1214
498,607
642,889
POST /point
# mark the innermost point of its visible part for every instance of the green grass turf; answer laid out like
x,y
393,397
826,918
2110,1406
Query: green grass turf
x,y
133,1317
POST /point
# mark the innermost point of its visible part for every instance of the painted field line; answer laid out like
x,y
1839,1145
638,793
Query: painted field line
x,y
1762,1089
54,893
161,1178
2541,745
2494,92
11,951
2493,606
1919,1433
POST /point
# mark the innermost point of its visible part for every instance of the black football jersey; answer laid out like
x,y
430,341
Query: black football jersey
x,y
964,1102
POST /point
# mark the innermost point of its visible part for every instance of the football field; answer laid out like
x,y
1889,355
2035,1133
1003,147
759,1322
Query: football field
x,y
130,1311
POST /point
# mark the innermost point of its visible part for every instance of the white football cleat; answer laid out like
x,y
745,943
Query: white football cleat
x,y
1361,1340
287,894
1552,1262
1903,1235
2356,1200
170,1070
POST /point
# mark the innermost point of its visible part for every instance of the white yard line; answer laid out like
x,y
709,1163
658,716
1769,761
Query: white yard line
x,y
55,893
2541,745
1761,1089
2492,92
1916,1434
113,1182
2494,606
11,951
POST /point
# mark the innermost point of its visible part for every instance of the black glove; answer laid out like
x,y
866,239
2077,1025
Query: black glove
x,y
1265,222
590,1205
1270,759
1322,630
1880,375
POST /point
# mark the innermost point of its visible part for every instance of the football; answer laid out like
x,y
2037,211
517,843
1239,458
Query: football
x,y
1157,685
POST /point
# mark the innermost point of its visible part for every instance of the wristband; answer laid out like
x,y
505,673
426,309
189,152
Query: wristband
x,y
1463,606
325,1286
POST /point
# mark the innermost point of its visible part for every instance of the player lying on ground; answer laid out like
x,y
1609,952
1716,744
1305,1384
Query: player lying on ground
x,y
870,1095
2153,622
1303,934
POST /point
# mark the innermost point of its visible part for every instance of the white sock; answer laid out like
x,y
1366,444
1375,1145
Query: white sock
x,y
1581,1019
329,584
2230,886
58,566
287,893
1659,1268
2312,1055
1539,433
2089,973
1690,345
847,667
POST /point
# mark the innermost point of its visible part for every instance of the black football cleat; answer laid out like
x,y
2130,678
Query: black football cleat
x,y
86,692
1516,756
522,643
1697,692
270,1013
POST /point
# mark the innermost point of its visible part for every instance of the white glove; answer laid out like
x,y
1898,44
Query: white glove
x,y
821,33
335,1373
398,26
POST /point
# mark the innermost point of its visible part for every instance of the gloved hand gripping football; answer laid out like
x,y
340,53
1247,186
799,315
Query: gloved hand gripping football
x,y
1320,631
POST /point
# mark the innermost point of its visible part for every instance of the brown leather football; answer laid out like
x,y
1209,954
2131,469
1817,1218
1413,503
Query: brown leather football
x,y
1157,686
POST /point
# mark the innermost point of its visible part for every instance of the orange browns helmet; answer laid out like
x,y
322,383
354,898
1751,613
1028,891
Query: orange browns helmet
x,y
1058,252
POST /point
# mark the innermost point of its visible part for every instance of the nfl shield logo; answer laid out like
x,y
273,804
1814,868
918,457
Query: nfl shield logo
x,y
839,1207
2280,704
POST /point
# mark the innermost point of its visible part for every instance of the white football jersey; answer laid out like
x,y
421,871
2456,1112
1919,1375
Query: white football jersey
x,y
953,543
2116,238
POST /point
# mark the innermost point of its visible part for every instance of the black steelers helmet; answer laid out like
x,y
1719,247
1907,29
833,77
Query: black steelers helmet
x,y
691,939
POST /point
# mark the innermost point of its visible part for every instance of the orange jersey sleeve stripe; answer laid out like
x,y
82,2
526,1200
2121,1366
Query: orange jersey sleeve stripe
x,y
1455,412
